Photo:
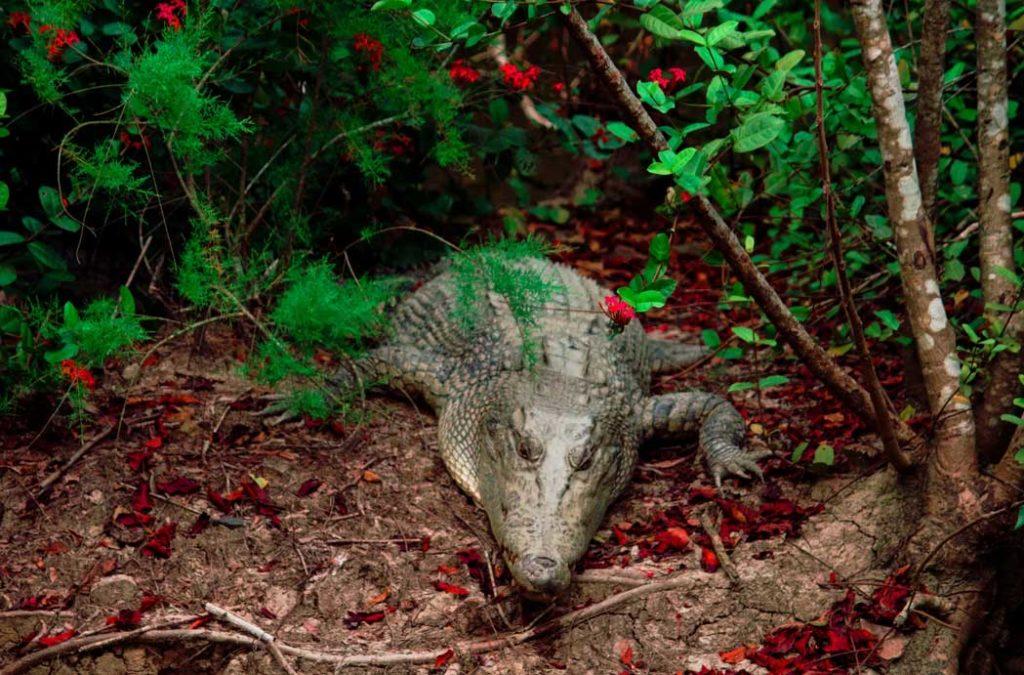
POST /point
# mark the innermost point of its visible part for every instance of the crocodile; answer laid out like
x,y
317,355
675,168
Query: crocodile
x,y
544,447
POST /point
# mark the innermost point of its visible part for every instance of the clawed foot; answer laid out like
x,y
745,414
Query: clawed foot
x,y
741,464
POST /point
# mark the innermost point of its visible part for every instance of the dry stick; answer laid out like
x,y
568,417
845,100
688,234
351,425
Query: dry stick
x,y
842,386
930,72
719,548
252,629
879,399
48,482
566,621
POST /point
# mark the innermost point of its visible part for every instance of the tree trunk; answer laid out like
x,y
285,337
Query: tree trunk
x,y
933,334
995,234
842,386
928,128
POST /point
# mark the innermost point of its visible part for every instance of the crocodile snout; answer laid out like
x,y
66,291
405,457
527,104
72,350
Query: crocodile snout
x,y
541,576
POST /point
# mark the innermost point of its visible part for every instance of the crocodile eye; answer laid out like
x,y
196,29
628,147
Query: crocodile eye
x,y
527,449
583,460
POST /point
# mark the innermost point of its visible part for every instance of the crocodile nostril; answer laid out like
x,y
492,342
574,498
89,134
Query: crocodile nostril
x,y
543,562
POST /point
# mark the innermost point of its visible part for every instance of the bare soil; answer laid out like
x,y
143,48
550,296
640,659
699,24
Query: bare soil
x,y
381,556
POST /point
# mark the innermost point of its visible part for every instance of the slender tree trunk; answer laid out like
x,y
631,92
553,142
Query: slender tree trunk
x,y
928,128
842,386
933,334
995,234
879,399
952,495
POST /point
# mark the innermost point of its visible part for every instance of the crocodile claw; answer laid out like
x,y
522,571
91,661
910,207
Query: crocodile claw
x,y
738,465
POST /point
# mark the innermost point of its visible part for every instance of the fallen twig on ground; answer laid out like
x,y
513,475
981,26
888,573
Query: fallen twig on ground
x,y
719,548
47,484
153,635
263,636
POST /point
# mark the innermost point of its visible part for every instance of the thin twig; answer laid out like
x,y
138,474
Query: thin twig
x,y
44,487
252,629
719,548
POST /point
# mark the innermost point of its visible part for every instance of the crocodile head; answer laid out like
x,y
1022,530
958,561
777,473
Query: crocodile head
x,y
546,476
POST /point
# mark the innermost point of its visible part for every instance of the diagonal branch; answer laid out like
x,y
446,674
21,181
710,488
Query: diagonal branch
x,y
842,386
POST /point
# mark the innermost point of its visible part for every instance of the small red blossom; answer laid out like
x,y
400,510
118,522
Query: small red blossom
x,y
77,374
519,80
168,12
369,48
558,87
618,310
19,20
667,81
126,619
462,73
62,39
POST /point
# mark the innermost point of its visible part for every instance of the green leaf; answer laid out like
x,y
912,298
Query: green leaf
x,y
772,381
660,248
33,225
66,222
651,94
645,300
712,58
46,256
7,275
116,28
127,302
68,351
710,338
757,131
744,333
789,61
888,318
390,4
49,198
622,131
1020,518
424,17
7,238
5,195
1019,456
663,22
71,317
798,452
720,32
740,386
825,454
3,104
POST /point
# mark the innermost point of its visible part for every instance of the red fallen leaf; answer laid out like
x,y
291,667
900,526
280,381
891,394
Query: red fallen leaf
x,y
457,591
54,548
447,569
620,536
626,657
154,443
133,519
200,622
137,460
734,656
202,522
178,399
149,602
443,658
308,488
223,504
354,619
141,501
178,486
267,613
51,640
159,544
708,560
425,543
674,538
126,619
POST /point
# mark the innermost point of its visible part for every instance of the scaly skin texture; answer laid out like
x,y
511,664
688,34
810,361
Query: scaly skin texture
x,y
545,450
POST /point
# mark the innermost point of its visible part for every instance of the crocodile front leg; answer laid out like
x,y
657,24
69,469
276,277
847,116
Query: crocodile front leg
x,y
721,431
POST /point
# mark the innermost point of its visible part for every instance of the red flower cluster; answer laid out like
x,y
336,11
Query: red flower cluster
x,y
393,143
168,13
462,73
674,78
618,310
19,19
129,143
370,49
519,80
62,39
77,374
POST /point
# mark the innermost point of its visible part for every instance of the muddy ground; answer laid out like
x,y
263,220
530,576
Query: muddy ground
x,y
352,539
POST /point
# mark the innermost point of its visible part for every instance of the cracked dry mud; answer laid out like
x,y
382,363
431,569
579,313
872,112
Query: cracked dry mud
x,y
301,582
